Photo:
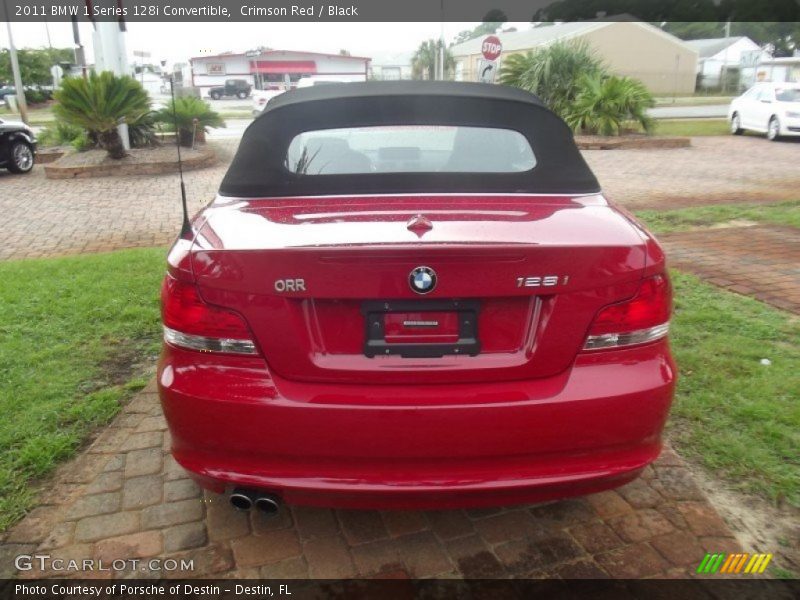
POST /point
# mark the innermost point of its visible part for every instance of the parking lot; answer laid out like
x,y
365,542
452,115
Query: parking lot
x,y
125,496
92,215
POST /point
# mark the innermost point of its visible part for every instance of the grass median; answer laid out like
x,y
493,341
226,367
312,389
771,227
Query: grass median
x,y
734,415
79,332
692,127
667,221
76,335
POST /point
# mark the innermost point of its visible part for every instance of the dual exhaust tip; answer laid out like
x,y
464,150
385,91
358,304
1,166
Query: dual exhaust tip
x,y
242,499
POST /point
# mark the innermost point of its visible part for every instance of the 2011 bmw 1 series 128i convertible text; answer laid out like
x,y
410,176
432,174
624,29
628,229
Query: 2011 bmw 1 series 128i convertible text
x,y
413,295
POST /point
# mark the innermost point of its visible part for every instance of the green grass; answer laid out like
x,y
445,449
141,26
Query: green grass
x,y
738,418
75,335
71,327
782,213
694,100
692,127
245,113
36,116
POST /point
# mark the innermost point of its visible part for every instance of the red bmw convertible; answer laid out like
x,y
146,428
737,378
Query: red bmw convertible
x,y
413,295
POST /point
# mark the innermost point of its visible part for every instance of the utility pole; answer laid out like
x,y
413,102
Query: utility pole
x,y
112,56
441,43
20,91
724,72
80,56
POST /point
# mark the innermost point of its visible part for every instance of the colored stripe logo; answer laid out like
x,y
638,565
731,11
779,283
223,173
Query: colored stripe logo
x,y
738,563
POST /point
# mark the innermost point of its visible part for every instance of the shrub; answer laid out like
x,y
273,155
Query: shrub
x,y
577,87
59,134
552,72
98,104
604,104
83,142
142,130
185,110
35,96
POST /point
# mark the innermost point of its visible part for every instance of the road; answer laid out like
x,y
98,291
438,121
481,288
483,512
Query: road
x,y
689,112
234,128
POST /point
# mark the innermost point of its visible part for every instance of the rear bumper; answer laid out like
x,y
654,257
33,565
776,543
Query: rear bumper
x,y
593,427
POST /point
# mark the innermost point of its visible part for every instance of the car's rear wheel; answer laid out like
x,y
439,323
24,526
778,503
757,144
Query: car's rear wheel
x,y
736,124
774,129
20,157
241,95
214,95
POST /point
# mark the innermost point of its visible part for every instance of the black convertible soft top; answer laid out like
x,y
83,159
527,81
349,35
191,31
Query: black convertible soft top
x,y
259,167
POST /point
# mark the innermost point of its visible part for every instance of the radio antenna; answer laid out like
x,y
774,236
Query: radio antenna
x,y
185,227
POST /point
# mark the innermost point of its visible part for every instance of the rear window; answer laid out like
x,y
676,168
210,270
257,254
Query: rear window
x,y
409,149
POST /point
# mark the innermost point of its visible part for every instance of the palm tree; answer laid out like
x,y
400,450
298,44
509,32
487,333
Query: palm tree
x,y
605,103
193,116
425,59
552,72
99,104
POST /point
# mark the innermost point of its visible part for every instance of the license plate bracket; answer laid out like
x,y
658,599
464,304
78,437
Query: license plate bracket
x,y
375,312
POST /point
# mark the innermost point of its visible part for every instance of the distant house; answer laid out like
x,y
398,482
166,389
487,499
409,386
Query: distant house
x,y
779,69
663,62
718,54
391,66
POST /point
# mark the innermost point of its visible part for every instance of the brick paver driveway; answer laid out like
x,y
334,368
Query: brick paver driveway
x,y
43,217
715,170
126,498
40,217
761,261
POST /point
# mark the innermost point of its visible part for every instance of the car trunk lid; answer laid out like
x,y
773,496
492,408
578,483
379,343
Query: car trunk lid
x,y
326,284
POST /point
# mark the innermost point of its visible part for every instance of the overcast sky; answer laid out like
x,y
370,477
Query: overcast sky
x,y
177,42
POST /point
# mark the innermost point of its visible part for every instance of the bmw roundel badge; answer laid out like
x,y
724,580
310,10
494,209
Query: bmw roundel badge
x,y
422,280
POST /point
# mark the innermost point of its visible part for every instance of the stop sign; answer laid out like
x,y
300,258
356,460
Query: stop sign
x,y
491,47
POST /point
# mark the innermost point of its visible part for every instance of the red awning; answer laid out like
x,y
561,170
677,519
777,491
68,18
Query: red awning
x,y
283,66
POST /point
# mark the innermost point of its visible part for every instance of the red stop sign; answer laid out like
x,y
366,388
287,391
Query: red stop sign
x,y
491,47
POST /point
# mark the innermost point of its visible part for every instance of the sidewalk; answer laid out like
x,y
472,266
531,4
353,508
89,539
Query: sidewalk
x,y
761,261
125,497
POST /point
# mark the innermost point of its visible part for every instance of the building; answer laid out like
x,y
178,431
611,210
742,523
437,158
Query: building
x,y
785,69
663,62
715,55
272,69
391,66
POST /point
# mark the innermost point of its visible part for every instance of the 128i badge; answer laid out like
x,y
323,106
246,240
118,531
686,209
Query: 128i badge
x,y
542,281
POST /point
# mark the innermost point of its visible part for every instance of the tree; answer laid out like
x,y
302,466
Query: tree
x,y
491,22
779,38
99,103
552,72
34,64
425,59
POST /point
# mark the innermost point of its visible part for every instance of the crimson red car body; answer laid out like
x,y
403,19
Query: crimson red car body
x,y
273,379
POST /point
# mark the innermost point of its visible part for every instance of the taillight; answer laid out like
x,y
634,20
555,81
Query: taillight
x,y
644,318
191,323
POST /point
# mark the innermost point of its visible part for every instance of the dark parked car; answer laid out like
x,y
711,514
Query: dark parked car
x,y
17,146
233,87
